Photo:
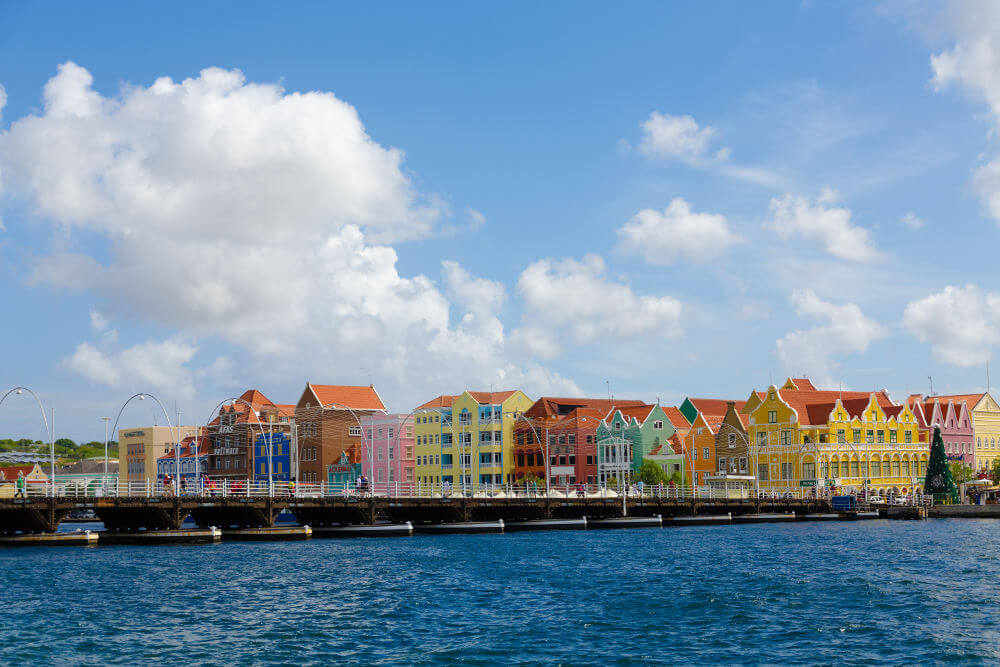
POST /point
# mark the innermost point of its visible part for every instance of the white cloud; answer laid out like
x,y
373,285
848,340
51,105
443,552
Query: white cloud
x,y
843,329
237,211
159,365
973,65
961,324
476,218
817,220
664,135
98,322
3,100
676,233
577,297
912,221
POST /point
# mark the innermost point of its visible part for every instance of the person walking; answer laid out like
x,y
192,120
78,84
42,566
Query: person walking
x,y
19,485
291,487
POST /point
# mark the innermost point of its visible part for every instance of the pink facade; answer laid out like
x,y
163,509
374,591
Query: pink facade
x,y
956,427
387,450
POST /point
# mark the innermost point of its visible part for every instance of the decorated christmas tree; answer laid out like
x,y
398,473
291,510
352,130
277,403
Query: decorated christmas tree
x,y
938,481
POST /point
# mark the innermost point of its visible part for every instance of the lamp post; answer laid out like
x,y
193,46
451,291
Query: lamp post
x,y
143,397
17,391
104,485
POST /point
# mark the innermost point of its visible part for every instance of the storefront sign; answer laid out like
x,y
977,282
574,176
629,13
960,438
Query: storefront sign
x,y
338,469
807,482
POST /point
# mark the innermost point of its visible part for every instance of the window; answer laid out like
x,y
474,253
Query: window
x,y
895,468
761,438
743,464
892,436
590,439
908,437
834,469
786,437
881,436
658,425
707,454
772,416
841,435
694,454
786,471
732,439
876,468
762,472
355,431
854,469
722,464
809,470
870,436
390,453
857,435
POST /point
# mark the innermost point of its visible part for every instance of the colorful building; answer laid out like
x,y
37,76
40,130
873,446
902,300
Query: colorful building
x,y
466,441
955,423
272,450
628,436
236,429
193,460
985,426
699,442
565,429
804,439
390,456
140,448
328,424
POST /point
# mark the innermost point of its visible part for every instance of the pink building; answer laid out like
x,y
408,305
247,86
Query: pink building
x,y
955,422
387,450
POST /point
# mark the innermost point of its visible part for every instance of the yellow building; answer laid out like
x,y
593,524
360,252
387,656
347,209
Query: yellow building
x,y
467,441
845,441
985,425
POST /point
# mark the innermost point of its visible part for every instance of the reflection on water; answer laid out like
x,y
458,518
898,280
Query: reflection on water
x,y
872,591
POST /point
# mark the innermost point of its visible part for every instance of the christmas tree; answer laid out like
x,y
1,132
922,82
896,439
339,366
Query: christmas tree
x,y
938,481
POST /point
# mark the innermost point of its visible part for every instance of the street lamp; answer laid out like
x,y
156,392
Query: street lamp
x,y
175,428
104,485
48,428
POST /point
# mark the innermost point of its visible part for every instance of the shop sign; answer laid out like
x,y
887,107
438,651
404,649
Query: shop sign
x,y
807,482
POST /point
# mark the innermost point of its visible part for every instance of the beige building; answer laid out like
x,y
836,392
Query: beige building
x,y
138,449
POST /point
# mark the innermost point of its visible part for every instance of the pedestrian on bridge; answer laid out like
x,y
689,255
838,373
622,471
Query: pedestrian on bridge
x,y
19,485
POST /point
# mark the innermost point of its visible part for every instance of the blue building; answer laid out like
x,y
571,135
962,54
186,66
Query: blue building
x,y
192,462
280,456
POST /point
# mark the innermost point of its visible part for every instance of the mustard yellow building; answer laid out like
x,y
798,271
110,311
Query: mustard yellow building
x,y
846,441
466,441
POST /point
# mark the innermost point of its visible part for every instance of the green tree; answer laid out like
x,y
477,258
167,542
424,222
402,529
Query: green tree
x,y
939,481
995,471
960,472
650,473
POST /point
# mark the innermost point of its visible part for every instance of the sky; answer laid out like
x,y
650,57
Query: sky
x,y
648,200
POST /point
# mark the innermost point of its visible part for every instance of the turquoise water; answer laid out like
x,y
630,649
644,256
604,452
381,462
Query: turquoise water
x,y
858,592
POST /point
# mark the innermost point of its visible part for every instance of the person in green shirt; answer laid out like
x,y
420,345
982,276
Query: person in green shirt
x,y
19,485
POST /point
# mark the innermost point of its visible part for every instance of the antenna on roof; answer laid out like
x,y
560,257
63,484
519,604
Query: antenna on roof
x,y
608,382
931,380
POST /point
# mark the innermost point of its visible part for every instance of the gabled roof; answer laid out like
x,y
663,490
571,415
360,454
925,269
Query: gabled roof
x,y
676,417
354,397
971,400
638,412
801,384
492,397
442,401
9,473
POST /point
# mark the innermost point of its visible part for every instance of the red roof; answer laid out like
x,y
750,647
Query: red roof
x,y
803,384
443,401
639,412
354,397
970,399
492,397
9,473
676,417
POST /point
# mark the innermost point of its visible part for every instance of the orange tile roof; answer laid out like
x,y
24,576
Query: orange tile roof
x,y
355,397
714,406
442,401
970,399
492,397
9,473
640,412
804,384
676,417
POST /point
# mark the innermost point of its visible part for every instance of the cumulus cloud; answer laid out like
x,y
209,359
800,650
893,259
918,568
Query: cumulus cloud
x,y
962,324
973,66
912,221
161,365
818,220
664,135
676,233
239,211
577,297
841,329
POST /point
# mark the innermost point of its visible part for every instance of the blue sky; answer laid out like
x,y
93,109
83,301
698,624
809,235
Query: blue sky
x,y
675,200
